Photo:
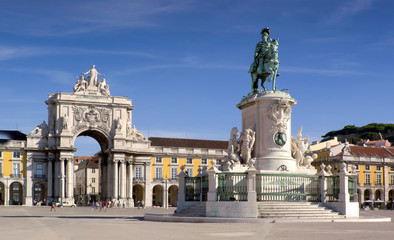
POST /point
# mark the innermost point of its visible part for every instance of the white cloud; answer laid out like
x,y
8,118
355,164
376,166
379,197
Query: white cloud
x,y
14,52
347,9
81,17
326,72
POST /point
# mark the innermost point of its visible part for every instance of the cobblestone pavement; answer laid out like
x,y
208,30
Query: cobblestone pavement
x,y
117,223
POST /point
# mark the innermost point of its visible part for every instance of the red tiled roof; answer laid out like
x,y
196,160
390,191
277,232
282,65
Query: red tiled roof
x,y
361,151
188,143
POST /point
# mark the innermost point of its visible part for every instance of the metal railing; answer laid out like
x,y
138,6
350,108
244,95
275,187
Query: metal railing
x,y
18,175
333,188
232,187
39,176
287,187
196,188
352,188
140,179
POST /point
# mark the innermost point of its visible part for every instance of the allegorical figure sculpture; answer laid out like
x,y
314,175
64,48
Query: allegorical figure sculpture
x,y
81,85
92,85
299,147
265,63
92,79
40,130
247,142
240,149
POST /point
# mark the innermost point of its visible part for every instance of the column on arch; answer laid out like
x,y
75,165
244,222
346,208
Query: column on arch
x,y
130,175
62,174
50,177
115,178
122,179
28,185
110,194
70,178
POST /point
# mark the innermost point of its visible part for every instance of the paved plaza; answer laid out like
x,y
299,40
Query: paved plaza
x,y
117,223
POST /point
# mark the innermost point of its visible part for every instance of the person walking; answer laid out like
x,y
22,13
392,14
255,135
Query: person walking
x,y
53,206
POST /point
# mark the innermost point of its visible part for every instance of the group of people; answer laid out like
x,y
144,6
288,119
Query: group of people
x,y
103,205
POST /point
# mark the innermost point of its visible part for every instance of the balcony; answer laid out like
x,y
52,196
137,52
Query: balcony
x,y
158,179
16,175
138,179
39,176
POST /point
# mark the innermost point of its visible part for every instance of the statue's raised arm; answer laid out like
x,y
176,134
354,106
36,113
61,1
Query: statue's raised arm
x,y
92,79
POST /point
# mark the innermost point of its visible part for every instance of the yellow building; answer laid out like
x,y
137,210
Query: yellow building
x,y
374,166
170,154
12,167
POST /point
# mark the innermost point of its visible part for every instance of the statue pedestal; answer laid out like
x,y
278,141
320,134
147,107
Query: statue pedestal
x,y
269,115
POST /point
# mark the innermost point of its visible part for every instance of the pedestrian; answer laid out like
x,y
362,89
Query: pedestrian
x,y
138,204
124,204
142,203
53,205
105,206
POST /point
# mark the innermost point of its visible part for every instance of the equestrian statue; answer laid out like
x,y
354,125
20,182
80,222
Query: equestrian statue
x,y
265,62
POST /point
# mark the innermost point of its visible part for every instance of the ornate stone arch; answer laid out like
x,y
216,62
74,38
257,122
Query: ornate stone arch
x,y
89,111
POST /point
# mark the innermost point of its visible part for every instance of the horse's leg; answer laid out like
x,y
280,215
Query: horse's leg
x,y
254,82
263,78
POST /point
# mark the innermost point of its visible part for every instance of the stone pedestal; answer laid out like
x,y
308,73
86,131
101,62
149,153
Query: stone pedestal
x,y
269,115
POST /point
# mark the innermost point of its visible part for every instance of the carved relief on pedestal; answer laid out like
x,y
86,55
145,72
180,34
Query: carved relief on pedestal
x,y
280,113
91,116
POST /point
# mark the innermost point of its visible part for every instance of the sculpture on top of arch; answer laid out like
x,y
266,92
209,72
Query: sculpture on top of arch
x,y
92,84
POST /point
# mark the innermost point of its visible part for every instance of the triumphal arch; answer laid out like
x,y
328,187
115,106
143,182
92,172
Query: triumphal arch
x,y
89,111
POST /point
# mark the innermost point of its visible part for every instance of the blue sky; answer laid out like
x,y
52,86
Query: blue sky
x,y
185,63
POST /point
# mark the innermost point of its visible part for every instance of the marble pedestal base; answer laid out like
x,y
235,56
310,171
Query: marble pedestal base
x,y
269,115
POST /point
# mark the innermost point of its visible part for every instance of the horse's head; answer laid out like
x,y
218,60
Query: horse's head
x,y
275,43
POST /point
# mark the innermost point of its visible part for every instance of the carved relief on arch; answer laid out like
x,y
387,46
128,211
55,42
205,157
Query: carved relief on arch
x,y
91,116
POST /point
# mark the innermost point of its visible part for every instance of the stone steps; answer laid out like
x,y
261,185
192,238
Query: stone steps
x,y
294,210
197,210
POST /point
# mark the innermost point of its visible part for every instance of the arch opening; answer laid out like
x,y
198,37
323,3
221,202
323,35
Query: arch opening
x,y
90,169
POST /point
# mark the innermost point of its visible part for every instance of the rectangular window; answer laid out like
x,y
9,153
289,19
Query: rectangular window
x,y
218,161
367,179
356,166
391,179
1,154
93,170
391,168
138,173
16,169
93,180
39,169
174,160
367,167
159,160
189,161
1,169
174,173
16,155
159,173
93,190
378,179
189,172
378,168
204,161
